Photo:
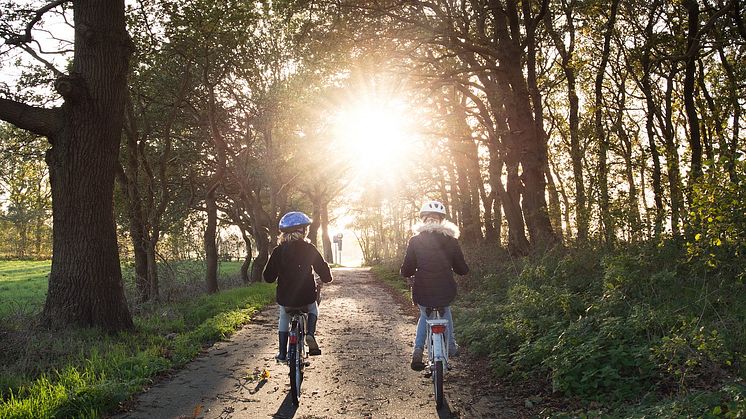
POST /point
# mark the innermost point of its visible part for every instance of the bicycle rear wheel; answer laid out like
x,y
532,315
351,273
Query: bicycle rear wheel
x,y
296,372
438,383
293,364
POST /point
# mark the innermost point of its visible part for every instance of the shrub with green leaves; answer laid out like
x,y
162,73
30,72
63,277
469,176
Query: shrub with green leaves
x,y
643,323
718,222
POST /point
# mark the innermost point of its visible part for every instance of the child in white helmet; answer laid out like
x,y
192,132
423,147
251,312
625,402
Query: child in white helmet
x,y
292,264
433,255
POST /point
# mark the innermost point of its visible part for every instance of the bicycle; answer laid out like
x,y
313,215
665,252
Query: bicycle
x,y
437,350
296,354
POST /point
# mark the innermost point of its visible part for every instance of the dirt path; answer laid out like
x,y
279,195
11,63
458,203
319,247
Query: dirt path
x,y
365,336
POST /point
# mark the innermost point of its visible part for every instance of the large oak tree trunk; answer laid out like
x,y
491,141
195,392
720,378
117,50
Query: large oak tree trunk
x,y
85,282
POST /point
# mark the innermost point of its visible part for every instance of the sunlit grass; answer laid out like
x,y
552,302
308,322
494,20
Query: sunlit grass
x,y
85,373
23,286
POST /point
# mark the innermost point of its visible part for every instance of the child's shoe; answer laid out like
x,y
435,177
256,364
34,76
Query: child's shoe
x,y
313,346
417,363
282,355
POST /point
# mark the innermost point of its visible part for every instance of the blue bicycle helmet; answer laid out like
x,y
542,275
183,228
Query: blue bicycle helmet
x,y
293,221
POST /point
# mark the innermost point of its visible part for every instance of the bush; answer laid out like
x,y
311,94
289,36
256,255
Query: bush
x,y
641,323
718,223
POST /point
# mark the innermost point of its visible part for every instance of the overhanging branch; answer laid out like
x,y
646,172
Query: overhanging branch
x,y
40,121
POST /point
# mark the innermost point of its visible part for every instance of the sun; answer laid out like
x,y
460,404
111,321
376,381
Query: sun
x,y
375,137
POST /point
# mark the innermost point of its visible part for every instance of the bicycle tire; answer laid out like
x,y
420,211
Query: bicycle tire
x,y
298,377
292,361
438,383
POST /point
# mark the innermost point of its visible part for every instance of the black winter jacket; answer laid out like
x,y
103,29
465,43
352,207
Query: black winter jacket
x,y
290,264
433,255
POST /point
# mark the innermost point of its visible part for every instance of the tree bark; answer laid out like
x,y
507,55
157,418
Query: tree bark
x,y
85,282
261,237
576,152
244,271
672,156
692,52
324,215
211,250
650,107
607,225
529,144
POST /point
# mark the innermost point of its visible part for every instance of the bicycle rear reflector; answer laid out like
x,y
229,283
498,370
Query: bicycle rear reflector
x,y
293,339
439,328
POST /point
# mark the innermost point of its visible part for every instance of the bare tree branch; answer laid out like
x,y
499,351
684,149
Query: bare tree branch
x,y
26,36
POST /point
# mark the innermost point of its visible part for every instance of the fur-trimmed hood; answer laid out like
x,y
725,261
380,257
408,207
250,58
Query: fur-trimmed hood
x,y
445,227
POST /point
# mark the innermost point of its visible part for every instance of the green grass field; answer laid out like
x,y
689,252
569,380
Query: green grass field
x,y
23,286
86,373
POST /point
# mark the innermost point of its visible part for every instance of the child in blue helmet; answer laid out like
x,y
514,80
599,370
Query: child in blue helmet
x,y
292,264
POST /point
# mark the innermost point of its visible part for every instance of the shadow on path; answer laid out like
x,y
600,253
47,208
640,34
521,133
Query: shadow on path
x,y
287,408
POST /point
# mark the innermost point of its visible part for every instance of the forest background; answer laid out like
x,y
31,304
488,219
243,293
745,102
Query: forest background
x,y
590,152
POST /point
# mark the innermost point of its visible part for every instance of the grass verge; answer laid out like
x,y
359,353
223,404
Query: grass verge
x,y
391,276
86,373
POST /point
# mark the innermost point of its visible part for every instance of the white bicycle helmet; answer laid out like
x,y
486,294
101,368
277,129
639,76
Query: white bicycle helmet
x,y
433,207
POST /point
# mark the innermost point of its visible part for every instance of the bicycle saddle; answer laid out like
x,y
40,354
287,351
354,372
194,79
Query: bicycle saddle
x,y
429,310
296,310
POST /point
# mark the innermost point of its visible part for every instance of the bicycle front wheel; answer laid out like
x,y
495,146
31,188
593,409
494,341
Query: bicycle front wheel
x,y
438,383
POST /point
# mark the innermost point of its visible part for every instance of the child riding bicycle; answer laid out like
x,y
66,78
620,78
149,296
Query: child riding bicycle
x,y
433,255
291,264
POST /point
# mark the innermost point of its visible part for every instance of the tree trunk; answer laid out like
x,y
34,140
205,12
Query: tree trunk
x,y
141,257
155,294
211,249
633,205
555,211
313,229
517,242
576,152
730,152
692,51
85,282
524,141
607,227
328,251
672,157
261,236
470,230
650,108
244,271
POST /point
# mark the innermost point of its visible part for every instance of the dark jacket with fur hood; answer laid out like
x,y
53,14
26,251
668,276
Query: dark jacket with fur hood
x,y
290,264
433,255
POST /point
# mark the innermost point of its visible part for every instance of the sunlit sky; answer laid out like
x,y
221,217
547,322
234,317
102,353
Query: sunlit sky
x,y
376,135
379,134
